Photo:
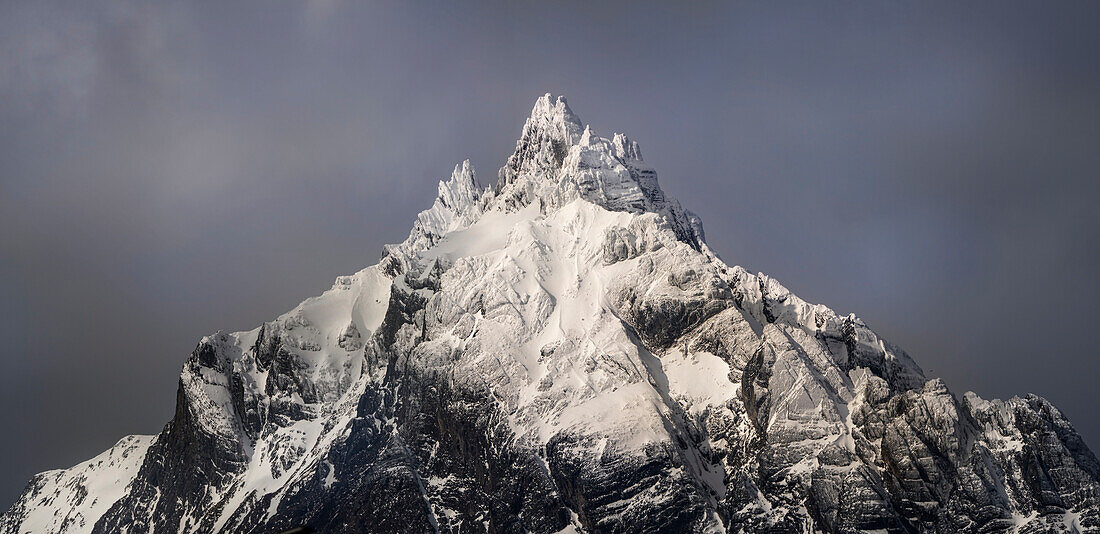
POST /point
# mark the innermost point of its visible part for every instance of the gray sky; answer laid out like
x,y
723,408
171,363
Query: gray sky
x,y
170,170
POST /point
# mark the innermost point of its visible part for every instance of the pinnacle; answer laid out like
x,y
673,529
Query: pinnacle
x,y
463,174
553,116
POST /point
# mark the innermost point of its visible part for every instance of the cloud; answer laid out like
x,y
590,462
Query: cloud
x,y
63,61
48,62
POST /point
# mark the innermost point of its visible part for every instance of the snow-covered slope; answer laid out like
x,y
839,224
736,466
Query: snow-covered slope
x,y
562,352
72,500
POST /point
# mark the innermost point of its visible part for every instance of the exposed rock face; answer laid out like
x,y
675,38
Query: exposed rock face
x,y
563,353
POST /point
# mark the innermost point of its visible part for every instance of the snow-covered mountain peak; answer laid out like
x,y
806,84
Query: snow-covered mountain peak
x,y
558,160
554,116
547,134
563,353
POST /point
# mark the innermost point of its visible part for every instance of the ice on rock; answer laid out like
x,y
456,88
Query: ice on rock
x,y
563,352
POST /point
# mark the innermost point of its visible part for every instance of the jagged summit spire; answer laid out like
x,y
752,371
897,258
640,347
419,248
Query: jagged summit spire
x,y
554,116
558,158
547,134
462,188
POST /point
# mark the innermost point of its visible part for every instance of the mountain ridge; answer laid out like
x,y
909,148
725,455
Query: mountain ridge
x,y
561,351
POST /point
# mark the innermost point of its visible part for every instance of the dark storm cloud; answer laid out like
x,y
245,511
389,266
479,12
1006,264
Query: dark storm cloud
x,y
169,170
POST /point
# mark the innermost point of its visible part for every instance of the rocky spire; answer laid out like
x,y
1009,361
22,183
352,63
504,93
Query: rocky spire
x,y
558,159
459,193
626,150
547,135
457,205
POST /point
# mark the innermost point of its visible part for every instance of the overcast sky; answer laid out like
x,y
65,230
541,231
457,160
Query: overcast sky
x,y
170,170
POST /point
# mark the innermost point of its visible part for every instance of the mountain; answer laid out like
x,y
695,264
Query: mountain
x,y
562,352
